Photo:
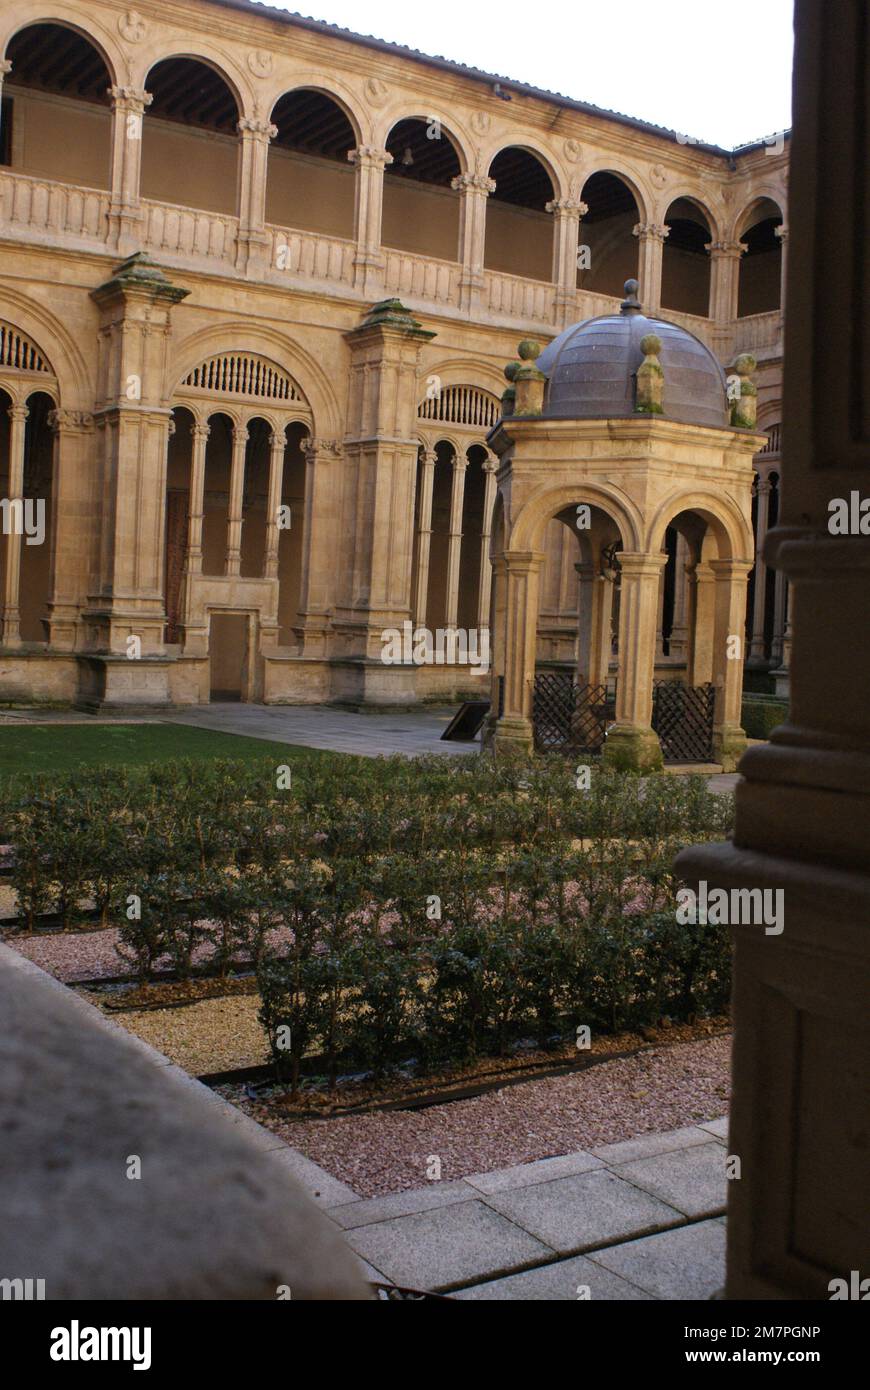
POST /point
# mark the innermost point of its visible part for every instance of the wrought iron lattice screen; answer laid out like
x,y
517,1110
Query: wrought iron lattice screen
x,y
569,716
683,719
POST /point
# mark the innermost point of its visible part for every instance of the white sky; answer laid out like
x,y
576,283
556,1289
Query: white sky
x,y
720,72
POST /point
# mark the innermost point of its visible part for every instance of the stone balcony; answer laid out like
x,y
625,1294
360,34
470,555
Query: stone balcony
x,y
46,213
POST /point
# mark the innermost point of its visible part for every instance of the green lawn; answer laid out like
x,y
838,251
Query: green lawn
x,y
47,748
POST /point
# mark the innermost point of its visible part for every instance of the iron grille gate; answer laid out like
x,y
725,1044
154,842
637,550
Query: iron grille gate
x,y
569,716
574,718
683,719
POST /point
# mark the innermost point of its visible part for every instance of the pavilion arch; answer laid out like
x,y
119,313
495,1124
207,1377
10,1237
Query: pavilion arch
x,y
723,519
519,229
451,128
529,526
633,183
529,145
234,338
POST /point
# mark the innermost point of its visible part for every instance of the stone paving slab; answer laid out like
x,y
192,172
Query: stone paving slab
x,y
372,1209
717,1127
646,1145
588,1209
687,1263
564,1281
692,1179
527,1174
409,732
321,1186
450,1245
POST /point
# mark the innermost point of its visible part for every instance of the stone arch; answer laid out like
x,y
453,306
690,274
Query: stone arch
x,y
722,515
337,91
450,127
75,388
201,51
625,175
528,527
89,28
760,196
527,142
460,403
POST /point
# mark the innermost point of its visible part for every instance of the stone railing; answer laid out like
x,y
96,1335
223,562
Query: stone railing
x,y
759,333
310,255
188,233
513,297
47,211
421,277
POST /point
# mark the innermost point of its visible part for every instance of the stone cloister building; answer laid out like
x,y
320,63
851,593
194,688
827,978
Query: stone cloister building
x,y
259,278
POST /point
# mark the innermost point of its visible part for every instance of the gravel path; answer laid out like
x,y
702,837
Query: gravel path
x,y
658,1090
74,955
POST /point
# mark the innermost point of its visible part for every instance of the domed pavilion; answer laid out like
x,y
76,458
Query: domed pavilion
x,y
623,427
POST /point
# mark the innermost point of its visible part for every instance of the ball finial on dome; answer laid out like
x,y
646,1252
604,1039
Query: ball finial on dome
x,y
631,303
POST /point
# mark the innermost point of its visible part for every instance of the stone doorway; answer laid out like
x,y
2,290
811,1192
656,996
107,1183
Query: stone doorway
x,y
228,656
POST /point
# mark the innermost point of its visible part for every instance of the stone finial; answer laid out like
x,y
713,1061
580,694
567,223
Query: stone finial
x,y
650,377
631,303
508,396
744,406
529,381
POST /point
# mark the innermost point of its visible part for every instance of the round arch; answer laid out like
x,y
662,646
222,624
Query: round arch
x,y
527,531
343,97
92,31
629,178
742,223
70,368
210,55
447,124
529,145
722,515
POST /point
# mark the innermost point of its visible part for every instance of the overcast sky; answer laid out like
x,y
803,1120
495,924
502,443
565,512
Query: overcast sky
x,y
720,72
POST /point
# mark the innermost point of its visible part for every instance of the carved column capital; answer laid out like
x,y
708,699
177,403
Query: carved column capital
x,y
134,100
651,231
260,130
567,207
473,183
370,157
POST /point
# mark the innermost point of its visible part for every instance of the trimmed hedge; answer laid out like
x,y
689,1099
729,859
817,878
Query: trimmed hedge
x,y
762,713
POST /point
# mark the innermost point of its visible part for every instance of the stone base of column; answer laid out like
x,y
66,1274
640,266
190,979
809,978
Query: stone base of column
x,y
313,635
729,745
62,626
513,735
360,682
781,682
109,683
252,253
368,274
632,749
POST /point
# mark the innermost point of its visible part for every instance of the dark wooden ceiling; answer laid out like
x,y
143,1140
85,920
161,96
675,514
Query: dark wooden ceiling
x,y
191,93
53,58
605,195
434,161
521,179
313,124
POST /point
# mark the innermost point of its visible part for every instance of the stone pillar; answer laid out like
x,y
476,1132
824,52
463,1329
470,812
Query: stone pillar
x,y
321,525
779,604
515,643
566,237
368,262
781,232
454,539
473,190
253,240
236,500
798,1216
724,288
703,583
756,640
588,584
73,528
128,110
424,535
12,561
490,471
379,479
193,559
277,449
660,619
679,639
729,740
630,741
652,237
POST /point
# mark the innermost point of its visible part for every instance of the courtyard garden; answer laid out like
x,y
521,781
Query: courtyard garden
x,y
336,942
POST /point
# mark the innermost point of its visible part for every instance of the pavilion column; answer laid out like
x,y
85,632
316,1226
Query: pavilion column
x,y
253,241
321,523
651,238
236,500
631,742
586,604
454,539
567,213
370,163
73,529
660,620
724,289
12,561
756,641
424,535
473,190
729,739
490,471
679,639
703,584
516,641
128,110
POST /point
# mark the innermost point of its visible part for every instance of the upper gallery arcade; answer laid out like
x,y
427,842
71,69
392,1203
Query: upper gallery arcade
x,y
199,205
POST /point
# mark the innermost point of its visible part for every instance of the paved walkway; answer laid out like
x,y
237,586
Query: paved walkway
x,y
318,726
637,1220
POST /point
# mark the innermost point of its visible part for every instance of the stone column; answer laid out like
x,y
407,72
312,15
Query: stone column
x,y
567,213
756,641
781,232
490,471
253,241
277,449
368,262
724,288
679,639
729,740
321,527
73,524
128,110
473,190
193,559
454,539
12,561
588,583
703,583
798,1216
424,535
630,741
236,500
652,237
515,644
